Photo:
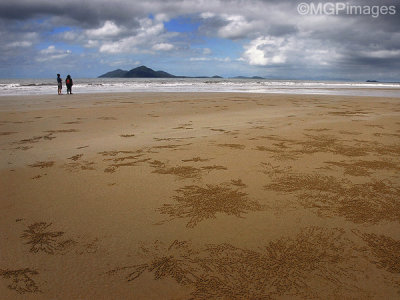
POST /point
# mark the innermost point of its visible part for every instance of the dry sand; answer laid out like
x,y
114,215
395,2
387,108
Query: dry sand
x,y
199,196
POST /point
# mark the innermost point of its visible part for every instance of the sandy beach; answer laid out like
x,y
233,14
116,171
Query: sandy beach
x,y
199,196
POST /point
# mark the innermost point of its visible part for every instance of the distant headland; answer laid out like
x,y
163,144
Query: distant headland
x,y
145,72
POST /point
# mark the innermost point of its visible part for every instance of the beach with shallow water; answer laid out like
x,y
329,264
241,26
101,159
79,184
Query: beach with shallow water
x,y
199,196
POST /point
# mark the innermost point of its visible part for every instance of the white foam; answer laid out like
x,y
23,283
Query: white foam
x,y
99,85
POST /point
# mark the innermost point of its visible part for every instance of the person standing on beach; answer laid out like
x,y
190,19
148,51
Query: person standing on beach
x,y
59,82
69,84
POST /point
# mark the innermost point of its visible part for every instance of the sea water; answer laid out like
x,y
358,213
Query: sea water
x,y
111,85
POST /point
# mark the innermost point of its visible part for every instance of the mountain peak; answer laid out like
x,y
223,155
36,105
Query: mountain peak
x,y
144,72
139,72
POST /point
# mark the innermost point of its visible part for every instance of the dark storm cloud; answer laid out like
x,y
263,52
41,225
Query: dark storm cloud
x,y
282,29
85,13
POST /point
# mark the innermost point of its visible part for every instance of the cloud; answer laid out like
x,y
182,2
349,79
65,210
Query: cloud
x,y
382,54
270,34
163,47
218,59
150,36
108,29
265,51
19,44
200,59
51,53
237,27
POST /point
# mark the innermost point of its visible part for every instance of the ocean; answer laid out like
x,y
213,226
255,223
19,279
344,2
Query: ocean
x,y
110,85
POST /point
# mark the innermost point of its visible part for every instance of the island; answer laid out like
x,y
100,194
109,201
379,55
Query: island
x,y
145,72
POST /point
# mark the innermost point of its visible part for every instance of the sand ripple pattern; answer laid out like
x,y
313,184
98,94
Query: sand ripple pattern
x,y
313,261
198,203
385,250
41,239
21,280
291,149
370,202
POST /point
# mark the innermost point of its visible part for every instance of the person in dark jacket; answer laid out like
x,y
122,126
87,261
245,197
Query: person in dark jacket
x,y
69,84
59,84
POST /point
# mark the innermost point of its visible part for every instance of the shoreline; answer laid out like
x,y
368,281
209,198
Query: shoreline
x,y
51,99
278,92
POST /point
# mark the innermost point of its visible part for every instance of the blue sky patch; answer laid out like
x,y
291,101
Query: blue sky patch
x,y
182,24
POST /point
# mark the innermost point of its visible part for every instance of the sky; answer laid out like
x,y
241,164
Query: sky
x,y
277,39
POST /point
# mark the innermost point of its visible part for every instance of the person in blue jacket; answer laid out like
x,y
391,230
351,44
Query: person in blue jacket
x,y
59,83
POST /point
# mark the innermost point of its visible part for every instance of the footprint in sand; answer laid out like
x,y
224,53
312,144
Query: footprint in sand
x,y
219,130
107,118
42,164
153,115
183,172
62,131
72,122
24,148
127,135
184,126
4,133
36,139
233,146
124,161
75,157
80,165
196,159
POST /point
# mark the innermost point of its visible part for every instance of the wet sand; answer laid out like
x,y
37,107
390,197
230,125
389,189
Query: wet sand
x,y
199,196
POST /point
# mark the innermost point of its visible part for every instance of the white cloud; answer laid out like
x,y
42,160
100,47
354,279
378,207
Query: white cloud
x,y
381,53
108,29
116,47
225,59
265,51
207,15
92,43
162,17
49,50
292,51
200,59
51,53
163,47
20,44
151,35
237,27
